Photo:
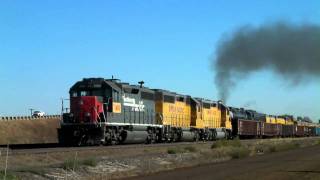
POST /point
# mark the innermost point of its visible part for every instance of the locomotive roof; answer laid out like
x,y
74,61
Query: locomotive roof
x,y
166,92
206,100
115,84
93,83
129,86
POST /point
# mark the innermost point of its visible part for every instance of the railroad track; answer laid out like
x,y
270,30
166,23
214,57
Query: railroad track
x,y
55,148
46,150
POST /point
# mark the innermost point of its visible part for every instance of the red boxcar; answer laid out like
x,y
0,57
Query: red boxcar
x,y
248,128
268,130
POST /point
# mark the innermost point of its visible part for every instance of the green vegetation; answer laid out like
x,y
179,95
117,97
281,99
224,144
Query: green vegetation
x,y
75,164
272,148
239,152
190,149
226,143
90,162
283,147
179,150
70,164
9,176
32,169
233,148
175,150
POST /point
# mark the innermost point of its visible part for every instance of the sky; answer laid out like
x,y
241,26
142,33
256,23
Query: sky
x,y
46,46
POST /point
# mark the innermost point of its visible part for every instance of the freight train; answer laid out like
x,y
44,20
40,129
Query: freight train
x,y
107,111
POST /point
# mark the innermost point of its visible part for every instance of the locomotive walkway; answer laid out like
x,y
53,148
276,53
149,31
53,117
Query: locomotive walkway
x,y
302,163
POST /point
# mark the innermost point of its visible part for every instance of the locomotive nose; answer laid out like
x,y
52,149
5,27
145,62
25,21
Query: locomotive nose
x,y
86,109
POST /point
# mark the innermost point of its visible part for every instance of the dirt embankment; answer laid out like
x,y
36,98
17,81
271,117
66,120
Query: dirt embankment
x,y
29,131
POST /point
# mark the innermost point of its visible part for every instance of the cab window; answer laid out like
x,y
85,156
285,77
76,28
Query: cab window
x,y
74,94
83,93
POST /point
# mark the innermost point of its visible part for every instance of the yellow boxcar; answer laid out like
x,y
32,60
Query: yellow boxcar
x,y
173,109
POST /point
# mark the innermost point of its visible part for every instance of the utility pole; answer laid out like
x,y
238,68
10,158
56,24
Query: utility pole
x,y
62,105
31,110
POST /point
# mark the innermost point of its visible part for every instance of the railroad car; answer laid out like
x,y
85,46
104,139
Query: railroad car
x,y
288,129
174,113
243,123
211,119
271,119
280,120
318,131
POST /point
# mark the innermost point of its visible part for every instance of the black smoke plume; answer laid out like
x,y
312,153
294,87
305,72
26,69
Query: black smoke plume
x,y
290,51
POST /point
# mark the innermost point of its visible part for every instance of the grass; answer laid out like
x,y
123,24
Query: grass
x,y
39,131
226,143
228,148
90,162
32,169
175,150
283,147
190,149
236,150
239,152
75,164
9,176
179,150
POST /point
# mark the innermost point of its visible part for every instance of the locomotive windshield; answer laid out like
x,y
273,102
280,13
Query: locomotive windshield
x,y
94,92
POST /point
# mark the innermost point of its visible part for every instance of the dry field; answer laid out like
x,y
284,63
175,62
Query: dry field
x,y
104,163
29,131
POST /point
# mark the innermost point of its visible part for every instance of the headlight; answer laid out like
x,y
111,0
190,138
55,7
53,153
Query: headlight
x,y
88,114
80,102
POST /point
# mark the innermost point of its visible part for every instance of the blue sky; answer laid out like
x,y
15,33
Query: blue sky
x,y
46,46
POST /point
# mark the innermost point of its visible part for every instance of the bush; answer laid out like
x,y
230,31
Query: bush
x,y
74,164
226,143
239,152
177,150
9,175
190,149
283,147
171,151
272,148
90,162
71,164
32,169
